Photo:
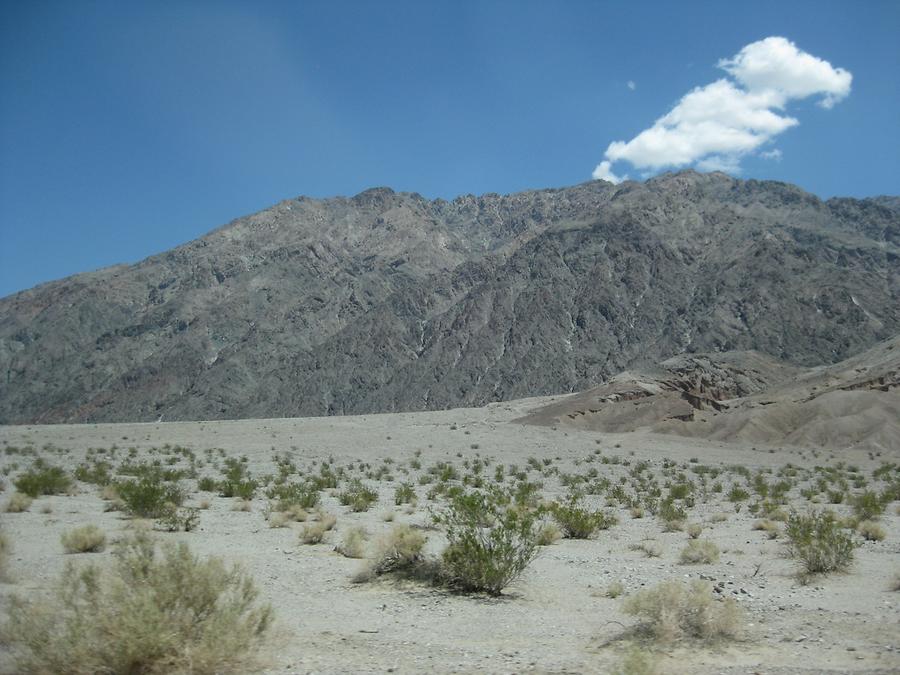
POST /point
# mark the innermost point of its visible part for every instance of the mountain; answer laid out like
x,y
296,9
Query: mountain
x,y
750,397
388,301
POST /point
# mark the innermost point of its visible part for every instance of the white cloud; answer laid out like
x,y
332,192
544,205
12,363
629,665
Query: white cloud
x,y
631,85
602,172
714,126
774,154
775,64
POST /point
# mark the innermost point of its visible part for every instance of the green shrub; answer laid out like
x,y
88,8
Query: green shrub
x,y
868,506
86,539
817,541
149,496
358,496
237,481
98,473
207,484
488,544
290,495
172,613
674,610
404,494
580,523
43,479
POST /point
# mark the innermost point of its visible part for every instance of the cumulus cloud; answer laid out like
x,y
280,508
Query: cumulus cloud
x,y
714,126
631,85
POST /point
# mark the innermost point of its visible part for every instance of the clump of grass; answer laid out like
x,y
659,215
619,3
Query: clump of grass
x,y
548,533
404,494
43,479
673,610
767,526
817,541
699,551
353,543
150,613
694,530
614,590
18,502
278,520
649,547
86,539
240,504
398,552
637,662
314,532
871,531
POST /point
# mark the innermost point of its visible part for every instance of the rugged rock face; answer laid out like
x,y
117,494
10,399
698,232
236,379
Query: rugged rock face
x,y
385,301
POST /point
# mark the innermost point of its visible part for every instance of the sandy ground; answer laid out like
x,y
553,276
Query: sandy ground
x,y
554,619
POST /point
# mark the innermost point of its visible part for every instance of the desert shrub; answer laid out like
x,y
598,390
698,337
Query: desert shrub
x,y
207,484
357,496
183,519
580,523
614,590
674,610
353,543
241,504
488,544
871,531
404,494
98,473
767,526
694,530
149,496
398,552
818,543
649,547
5,553
868,506
737,494
86,539
314,532
149,614
288,495
43,479
237,481
277,520
548,533
637,662
699,551
18,502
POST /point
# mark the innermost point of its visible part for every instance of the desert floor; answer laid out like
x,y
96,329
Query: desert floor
x,y
555,618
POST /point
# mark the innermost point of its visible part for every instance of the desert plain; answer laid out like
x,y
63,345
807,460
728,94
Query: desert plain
x,y
558,616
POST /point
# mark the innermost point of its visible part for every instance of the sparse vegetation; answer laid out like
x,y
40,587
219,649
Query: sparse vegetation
x,y
818,543
18,502
674,610
699,551
871,531
43,479
398,552
85,539
150,613
353,543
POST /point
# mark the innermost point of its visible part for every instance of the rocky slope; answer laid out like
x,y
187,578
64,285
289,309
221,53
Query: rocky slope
x,y
387,301
748,397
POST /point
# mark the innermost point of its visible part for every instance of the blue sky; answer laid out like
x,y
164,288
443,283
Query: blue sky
x,y
127,128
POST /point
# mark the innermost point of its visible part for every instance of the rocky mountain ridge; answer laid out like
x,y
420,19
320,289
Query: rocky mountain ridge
x,y
388,301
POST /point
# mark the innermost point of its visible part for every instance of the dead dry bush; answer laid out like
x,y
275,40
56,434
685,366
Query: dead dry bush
x,y
86,539
673,610
150,613
399,552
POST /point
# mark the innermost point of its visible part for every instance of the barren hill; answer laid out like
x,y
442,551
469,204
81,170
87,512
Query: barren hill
x,y
745,396
388,301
